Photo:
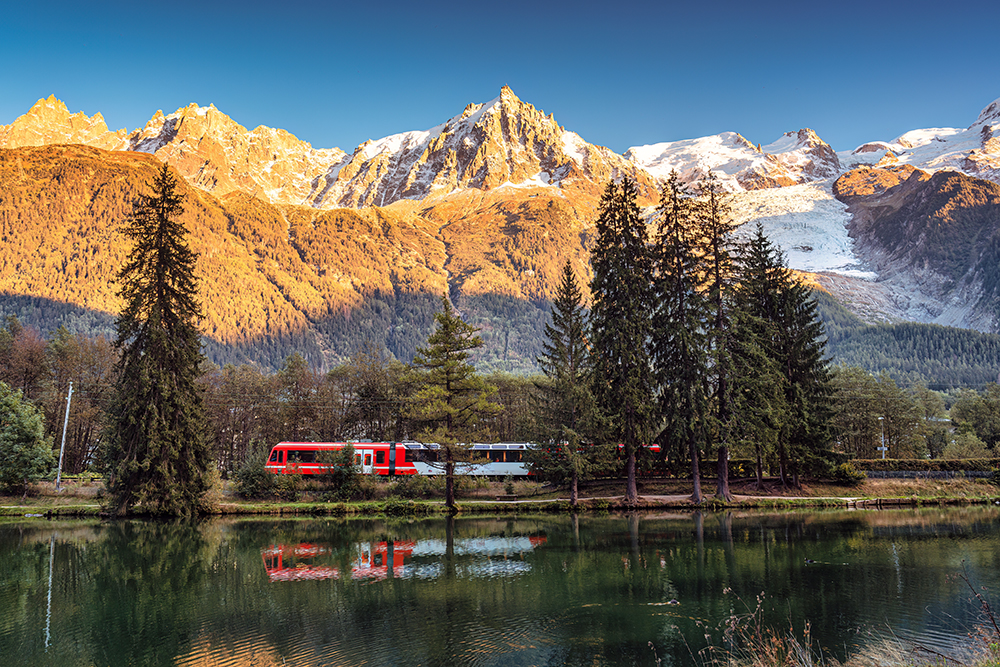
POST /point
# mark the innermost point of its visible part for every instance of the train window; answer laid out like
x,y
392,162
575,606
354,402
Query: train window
x,y
301,455
513,456
409,458
496,456
274,457
380,457
357,459
368,459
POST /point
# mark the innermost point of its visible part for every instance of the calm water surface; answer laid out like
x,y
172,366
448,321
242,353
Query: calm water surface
x,y
594,590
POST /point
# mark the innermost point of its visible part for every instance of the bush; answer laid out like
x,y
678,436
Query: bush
x,y
846,473
927,465
287,487
341,477
25,453
416,486
252,478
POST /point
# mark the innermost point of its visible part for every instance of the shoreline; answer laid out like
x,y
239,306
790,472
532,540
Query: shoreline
x,y
87,508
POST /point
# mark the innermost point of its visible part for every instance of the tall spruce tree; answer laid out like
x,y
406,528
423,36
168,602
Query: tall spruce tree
x,y
679,345
156,452
452,399
757,388
621,323
565,404
716,227
794,340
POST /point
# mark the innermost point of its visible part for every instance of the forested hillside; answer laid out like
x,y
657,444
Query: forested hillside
x,y
939,357
279,279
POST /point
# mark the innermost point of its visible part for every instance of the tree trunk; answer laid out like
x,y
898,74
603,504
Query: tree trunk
x,y
449,481
760,472
783,467
722,475
631,489
696,496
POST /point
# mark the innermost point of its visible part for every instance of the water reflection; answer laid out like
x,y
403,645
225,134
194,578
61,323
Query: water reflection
x,y
403,559
587,590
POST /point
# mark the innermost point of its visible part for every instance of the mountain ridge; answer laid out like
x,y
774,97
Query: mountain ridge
x,y
484,207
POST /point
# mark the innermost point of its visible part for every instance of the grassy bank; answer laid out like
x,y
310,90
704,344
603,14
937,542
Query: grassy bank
x,y
82,497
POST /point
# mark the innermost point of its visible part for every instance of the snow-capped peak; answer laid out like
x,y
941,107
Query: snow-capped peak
x,y
795,157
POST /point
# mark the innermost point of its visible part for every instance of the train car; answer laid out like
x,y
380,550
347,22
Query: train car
x,y
372,458
398,458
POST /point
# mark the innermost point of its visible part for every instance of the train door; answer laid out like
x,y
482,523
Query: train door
x,y
366,461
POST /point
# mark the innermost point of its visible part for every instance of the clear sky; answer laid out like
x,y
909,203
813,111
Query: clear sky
x,y
619,73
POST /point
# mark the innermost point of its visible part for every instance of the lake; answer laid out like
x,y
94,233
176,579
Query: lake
x,y
540,590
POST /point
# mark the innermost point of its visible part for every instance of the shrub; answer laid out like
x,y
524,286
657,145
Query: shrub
x,y
25,453
415,486
252,478
927,465
287,487
341,477
846,473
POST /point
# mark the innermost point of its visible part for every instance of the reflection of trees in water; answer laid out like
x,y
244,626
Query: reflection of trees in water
x,y
149,582
597,589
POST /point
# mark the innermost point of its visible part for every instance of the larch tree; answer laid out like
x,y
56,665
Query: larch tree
x,y
157,454
679,344
621,323
451,400
565,405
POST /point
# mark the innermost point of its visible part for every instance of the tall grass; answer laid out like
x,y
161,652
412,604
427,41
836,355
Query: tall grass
x,y
744,639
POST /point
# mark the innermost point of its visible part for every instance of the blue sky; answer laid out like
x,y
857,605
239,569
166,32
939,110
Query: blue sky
x,y
618,73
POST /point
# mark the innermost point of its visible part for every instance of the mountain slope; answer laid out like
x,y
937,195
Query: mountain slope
x,y
934,237
319,250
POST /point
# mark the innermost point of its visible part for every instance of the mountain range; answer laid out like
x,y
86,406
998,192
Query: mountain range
x,y
321,251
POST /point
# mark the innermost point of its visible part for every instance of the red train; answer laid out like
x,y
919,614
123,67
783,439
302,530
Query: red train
x,y
398,458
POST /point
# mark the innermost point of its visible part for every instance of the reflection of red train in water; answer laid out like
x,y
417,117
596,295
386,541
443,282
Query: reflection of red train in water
x,y
293,563
377,560
399,559
397,458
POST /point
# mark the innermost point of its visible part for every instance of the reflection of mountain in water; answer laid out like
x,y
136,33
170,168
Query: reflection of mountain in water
x,y
403,559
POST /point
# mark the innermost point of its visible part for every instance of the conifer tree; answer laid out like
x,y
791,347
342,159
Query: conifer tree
x,y
795,342
565,403
757,387
452,399
679,345
716,226
156,452
620,324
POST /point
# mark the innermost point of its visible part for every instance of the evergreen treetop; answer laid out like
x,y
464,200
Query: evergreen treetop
x,y
157,455
452,399
620,323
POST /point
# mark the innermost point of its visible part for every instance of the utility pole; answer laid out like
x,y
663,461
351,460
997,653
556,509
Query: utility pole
x,y
62,447
883,448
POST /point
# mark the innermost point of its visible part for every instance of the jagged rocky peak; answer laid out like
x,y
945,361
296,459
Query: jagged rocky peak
x,y
988,116
50,122
502,143
804,152
219,155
